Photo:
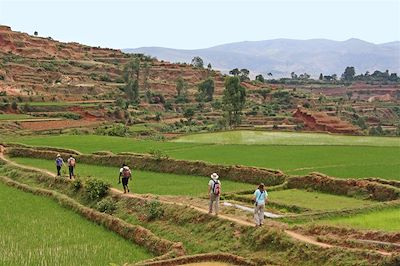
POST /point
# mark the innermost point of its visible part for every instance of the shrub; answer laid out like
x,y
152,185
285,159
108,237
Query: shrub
x,y
159,155
106,205
49,66
118,130
27,108
154,210
70,115
105,77
168,106
14,105
96,189
76,185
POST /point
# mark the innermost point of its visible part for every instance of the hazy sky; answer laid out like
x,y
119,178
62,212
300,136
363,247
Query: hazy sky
x,y
201,24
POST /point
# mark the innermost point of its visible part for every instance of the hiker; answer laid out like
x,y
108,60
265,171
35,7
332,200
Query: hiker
x,y
214,191
260,197
71,166
126,174
59,164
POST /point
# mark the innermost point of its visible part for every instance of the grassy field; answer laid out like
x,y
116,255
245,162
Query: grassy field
x,y
316,201
4,117
384,220
287,138
61,104
144,182
339,161
37,231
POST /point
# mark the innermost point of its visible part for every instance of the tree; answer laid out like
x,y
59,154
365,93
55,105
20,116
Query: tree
x,y
321,77
146,75
393,77
206,90
132,70
132,91
35,33
349,94
360,121
244,74
181,89
260,78
197,62
264,93
233,100
348,74
234,72
131,77
188,114
304,76
293,75
120,103
209,67
269,74
14,105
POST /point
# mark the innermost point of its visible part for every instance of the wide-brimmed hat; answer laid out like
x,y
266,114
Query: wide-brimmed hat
x,y
214,176
58,155
126,168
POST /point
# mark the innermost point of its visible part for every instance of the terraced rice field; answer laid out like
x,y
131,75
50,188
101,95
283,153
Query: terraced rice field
x,y
316,201
143,181
14,117
383,220
287,138
347,161
37,231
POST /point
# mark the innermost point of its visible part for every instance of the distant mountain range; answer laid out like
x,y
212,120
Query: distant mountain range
x,y
283,56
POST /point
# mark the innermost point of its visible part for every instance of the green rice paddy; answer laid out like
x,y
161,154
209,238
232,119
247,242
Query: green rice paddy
x,y
287,138
13,117
316,201
143,182
383,220
37,231
347,161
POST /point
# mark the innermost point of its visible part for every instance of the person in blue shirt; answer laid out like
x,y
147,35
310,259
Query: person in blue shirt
x,y
260,197
59,164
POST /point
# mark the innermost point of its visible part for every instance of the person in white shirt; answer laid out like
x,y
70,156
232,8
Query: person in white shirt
x,y
126,174
71,166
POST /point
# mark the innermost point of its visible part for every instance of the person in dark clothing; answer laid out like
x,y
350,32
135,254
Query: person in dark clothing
x,y
71,166
126,174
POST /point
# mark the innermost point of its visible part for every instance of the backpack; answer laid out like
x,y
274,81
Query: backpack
x,y
72,162
216,189
126,173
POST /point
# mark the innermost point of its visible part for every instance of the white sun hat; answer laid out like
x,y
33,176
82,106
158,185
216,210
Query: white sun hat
x,y
126,168
214,176
58,155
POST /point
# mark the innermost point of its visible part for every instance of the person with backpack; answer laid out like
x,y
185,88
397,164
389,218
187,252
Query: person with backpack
x,y
71,166
260,197
126,174
59,164
214,191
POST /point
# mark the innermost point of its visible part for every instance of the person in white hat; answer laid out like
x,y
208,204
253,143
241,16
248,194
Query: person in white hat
x,y
59,164
214,191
